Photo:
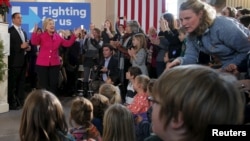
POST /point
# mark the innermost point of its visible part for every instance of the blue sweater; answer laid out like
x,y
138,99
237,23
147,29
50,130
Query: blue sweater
x,y
226,39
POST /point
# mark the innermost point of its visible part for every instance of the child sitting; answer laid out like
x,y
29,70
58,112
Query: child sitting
x,y
114,80
140,103
100,104
81,115
110,92
143,124
130,75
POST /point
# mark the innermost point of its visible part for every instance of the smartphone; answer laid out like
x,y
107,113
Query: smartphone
x,y
121,18
82,27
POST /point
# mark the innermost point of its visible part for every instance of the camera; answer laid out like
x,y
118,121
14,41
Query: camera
x,y
82,27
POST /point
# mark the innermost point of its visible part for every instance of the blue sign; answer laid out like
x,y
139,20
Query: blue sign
x,y
66,15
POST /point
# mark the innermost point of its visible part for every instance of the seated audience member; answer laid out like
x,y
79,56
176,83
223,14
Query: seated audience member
x,y
130,75
81,115
140,104
43,118
108,66
110,92
118,124
143,125
100,104
183,111
114,80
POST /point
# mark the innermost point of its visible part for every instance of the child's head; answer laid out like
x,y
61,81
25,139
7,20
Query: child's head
x,y
118,124
182,34
81,111
110,92
133,72
100,104
178,101
42,117
141,83
113,79
139,41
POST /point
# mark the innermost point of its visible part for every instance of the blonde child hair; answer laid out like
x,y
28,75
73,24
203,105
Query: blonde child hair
x,y
110,92
143,81
142,41
118,124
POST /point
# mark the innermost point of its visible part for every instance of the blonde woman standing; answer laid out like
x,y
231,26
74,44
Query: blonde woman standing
x,y
48,60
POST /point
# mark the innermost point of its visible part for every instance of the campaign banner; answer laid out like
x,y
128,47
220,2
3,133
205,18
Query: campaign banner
x,y
66,15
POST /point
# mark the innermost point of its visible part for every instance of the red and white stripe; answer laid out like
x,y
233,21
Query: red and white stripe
x,y
146,12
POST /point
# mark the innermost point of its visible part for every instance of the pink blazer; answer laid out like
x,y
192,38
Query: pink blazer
x,y
49,47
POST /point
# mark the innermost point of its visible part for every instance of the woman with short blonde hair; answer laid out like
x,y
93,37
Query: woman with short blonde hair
x,y
48,60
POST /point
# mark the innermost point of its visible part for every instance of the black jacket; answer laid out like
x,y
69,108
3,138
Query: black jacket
x,y
17,56
112,67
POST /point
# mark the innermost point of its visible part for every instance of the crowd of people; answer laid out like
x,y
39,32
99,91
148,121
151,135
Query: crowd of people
x,y
169,84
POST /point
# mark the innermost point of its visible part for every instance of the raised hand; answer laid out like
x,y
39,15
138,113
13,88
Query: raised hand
x,y
170,65
77,31
35,28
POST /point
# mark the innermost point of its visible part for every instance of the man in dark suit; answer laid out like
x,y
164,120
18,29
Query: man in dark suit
x,y
109,65
17,63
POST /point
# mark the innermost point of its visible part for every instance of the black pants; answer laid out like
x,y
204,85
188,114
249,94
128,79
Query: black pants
x,y
48,77
16,84
72,76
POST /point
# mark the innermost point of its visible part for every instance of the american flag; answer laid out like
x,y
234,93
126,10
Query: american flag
x,y
146,12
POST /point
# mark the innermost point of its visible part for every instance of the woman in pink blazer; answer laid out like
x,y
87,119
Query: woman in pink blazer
x,y
48,59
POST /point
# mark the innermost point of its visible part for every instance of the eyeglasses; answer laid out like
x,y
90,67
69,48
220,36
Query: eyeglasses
x,y
151,99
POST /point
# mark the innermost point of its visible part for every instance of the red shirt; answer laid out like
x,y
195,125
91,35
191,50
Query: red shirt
x,y
140,104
